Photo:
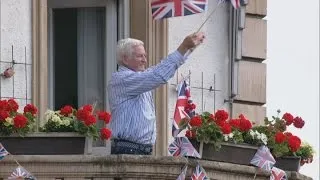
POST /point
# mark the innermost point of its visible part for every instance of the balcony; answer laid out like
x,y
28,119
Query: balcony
x,y
118,167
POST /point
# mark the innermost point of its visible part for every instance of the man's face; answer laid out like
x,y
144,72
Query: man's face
x,y
138,60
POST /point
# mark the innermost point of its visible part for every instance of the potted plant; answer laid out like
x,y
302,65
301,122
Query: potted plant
x,y
15,125
284,145
219,138
76,128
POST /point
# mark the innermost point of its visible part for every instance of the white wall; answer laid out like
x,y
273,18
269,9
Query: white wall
x,y
16,31
210,58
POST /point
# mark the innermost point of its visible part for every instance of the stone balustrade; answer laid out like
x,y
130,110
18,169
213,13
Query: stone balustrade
x,y
118,167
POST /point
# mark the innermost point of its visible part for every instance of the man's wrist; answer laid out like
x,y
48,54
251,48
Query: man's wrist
x,y
182,50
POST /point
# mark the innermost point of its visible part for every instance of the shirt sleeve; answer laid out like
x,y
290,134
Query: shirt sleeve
x,y
136,83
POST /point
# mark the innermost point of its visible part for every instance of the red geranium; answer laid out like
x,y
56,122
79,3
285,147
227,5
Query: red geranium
x,y
245,124
294,143
105,116
66,110
88,108
82,114
20,121
288,118
105,133
196,121
298,122
221,115
190,134
280,137
13,105
226,128
3,115
90,120
31,109
235,123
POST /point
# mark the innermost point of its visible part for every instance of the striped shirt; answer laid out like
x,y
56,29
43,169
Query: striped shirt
x,y
131,101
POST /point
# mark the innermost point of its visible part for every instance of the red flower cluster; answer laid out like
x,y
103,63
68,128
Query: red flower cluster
x,y
195,121
190,134
20,121
105,116
66,110
242,123
29,108
105,133
298,122
85,114
9,108
294,142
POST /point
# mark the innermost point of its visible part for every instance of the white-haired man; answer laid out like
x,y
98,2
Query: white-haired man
x,y
133,121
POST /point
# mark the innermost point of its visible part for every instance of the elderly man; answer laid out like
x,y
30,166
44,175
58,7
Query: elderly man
x,y
133,121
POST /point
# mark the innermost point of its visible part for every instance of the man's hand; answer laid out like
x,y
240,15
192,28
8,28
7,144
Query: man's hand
x,y
191,41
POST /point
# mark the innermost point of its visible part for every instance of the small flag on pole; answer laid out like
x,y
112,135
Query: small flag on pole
x,y
181,146
199,174
21,173
263,159
181,104
278,174
173,8
3,152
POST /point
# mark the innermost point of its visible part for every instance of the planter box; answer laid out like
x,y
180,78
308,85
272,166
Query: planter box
x,y
42,143
229,152
290,163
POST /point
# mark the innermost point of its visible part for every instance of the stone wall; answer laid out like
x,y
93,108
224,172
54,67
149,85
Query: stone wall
x,y
117,167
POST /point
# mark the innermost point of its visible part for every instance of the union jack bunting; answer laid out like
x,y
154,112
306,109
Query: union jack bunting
x,y
21,173
263,158
181,104
278,174
182,176
181,146
3,152
173,8
199,174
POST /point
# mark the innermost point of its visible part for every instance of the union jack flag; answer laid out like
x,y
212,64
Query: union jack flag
x,y
263,158
21,173
183,174
278,174
173,8
181,146
199,174
181,104
3,152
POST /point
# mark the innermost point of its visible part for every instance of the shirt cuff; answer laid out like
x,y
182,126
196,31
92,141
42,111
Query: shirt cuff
x,y
179,58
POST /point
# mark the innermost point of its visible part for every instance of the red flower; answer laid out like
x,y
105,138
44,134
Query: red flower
x,y
3,115
279,137
221,115
288,118
226,128
190,134
20,121
31,109
4,105
245,124
196,121
82,114
66,110
105,133
294,143
104,116
87,108
13,105
90,120
298,122
288,134
235,123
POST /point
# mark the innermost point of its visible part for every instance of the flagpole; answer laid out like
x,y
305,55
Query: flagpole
x,y
212,12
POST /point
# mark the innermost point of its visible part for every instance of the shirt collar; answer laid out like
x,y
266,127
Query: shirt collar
x,y
123,68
